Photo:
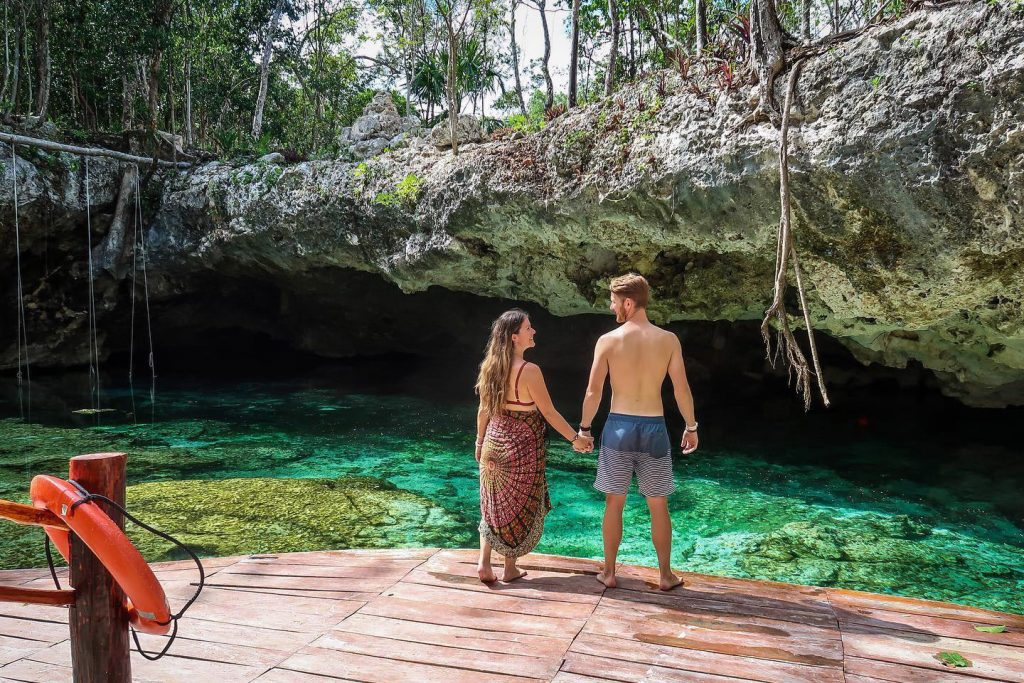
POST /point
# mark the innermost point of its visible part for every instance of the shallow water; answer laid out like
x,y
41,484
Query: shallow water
x,y
883,501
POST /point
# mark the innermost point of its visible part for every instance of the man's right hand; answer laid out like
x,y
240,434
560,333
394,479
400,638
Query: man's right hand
x,y
689,443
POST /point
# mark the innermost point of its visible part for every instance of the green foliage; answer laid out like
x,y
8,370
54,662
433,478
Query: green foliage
x,y
405,193
990,629
953,659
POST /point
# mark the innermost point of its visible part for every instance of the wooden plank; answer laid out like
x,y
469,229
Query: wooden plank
x,y
31,671
285,592
362,587
563,589
13,649
486,663
26,514
455,636
382,670
702,661
183,648
504,601
170,669
313,561
370,574
851,600
711,607
857,667
940,626
995,662
17,610
472,617
775,596
234,634
271,611
44,631
734,639
289,676
591,668
37,596
538,561
726,618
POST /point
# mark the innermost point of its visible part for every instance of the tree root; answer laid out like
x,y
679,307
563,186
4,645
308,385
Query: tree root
x,y
786,344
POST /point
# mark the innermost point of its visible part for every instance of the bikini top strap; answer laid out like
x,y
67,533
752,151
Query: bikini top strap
x,y
518,375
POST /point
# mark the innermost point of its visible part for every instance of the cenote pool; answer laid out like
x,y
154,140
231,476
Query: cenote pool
x,y
872,496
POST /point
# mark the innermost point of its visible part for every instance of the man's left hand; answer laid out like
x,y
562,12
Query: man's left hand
x,y
689,443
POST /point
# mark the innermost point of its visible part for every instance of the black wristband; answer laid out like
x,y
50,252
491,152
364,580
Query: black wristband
x,y
584,429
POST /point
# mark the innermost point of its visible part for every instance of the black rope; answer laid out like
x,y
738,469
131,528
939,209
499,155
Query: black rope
x,y
88,497
49,562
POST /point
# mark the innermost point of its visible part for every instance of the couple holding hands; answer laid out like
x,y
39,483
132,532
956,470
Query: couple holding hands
x,y
515,409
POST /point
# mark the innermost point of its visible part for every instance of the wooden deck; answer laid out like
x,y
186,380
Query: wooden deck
x,y
421,615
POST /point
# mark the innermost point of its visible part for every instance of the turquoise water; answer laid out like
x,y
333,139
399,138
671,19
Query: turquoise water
x,y
878,503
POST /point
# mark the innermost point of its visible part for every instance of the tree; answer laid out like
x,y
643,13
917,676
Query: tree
x,y
549,87
700,12
43,58
268,44
609,77
768,42
574,55
515,55
454,13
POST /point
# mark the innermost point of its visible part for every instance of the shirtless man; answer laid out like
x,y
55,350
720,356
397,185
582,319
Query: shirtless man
x,y
637,356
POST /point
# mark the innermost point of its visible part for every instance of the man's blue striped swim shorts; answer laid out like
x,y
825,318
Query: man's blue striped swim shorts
x,y
634,443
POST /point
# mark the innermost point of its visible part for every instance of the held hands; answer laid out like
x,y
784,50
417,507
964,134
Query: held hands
x,y
583,443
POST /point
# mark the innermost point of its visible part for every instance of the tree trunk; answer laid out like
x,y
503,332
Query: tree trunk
x,y
629,33
7,54
701,16
609,77
16,69
25,57
108,255
451,86
805,21
768,44
515,58
549,87
170,94
835,16
127,104
574,56
261,98
43,59
160,18
188,101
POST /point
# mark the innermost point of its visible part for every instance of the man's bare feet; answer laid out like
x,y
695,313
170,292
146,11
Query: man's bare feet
x,y
669,582
486,574
607,579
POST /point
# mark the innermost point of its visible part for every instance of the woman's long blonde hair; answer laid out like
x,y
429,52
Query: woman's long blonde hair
x,y
497,364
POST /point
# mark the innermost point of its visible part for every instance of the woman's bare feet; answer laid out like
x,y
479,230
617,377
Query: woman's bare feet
x,y
669,582
486,574
512,573
607,579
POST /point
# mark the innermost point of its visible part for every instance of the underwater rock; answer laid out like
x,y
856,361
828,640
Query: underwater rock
x,y
238,516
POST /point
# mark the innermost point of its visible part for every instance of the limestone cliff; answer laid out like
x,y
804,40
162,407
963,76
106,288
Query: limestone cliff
x,y
907,175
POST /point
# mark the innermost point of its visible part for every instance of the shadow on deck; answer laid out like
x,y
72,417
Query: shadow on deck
x,y
422,615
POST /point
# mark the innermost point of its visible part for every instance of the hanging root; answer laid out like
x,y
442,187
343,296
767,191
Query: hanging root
x,y
786,344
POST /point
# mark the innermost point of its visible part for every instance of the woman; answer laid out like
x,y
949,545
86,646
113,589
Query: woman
x,y
514,403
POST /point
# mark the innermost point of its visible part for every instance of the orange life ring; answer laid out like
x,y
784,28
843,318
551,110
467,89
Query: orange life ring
x,y
146,602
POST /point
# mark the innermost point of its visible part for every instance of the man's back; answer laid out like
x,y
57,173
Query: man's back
x,y
638,357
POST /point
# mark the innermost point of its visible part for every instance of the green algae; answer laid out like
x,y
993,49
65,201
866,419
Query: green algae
x,y
240,516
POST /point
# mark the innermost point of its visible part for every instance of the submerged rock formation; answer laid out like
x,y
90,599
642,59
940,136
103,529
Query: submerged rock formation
x,y
907,167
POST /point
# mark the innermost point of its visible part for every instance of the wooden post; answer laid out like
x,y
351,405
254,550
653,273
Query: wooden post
x,y
98,620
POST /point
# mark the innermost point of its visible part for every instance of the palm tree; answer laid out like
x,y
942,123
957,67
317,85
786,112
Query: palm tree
x,y
429,79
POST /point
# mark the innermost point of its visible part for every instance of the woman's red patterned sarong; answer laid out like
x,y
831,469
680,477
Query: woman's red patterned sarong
x,y
513,489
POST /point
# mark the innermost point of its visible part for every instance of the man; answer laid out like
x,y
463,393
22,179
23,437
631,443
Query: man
x,y
636,357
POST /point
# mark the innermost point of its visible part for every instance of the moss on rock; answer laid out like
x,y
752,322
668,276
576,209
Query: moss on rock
x,y
237,516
